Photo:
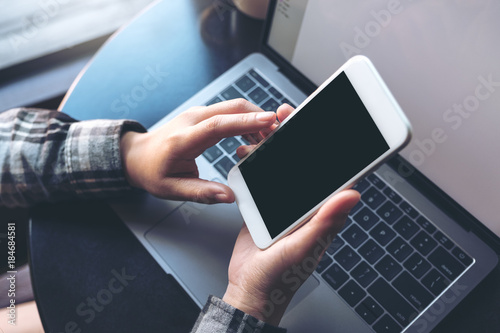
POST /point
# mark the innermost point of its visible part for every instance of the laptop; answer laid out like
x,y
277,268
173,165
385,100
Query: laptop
x,y
426,230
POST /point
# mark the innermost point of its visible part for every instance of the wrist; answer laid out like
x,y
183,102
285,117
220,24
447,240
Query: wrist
x,y
131,145
256,304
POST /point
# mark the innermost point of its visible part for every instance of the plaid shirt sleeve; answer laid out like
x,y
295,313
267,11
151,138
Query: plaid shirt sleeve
x,y
219,317
47,156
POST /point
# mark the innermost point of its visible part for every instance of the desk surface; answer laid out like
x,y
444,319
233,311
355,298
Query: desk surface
x,y
185,54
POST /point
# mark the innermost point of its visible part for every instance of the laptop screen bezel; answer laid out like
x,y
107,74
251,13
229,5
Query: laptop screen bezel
x,y
297,77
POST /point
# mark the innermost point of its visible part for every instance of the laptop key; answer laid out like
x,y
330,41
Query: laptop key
x,y
413,291
354,236
392,301
229,145
462,256
423,242
245,83
212,153
270,105
231,93
399,249
406,227
408,209
388,267
373,198
392,195
435,282
258,78
443,240
365,313
371,305
361,185
335,276
382,233
364,274
366,218
275,93
257,95
389,212
335,245
347,258
375,180
444,262
417,265
352,293
371,251
424,223
224,165
214,100
387,325
287,101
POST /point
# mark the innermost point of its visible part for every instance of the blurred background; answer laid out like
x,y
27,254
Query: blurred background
x,y
51,41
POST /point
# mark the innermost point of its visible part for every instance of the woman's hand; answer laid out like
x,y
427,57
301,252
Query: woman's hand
x,y
162,162
262,282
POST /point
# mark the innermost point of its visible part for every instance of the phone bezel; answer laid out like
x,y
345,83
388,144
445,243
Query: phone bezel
x,y
385,112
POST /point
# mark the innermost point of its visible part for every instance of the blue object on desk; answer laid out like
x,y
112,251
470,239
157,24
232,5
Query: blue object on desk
x,y
138,74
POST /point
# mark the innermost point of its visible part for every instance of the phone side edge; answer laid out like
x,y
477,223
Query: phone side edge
x,y
248,209
379,101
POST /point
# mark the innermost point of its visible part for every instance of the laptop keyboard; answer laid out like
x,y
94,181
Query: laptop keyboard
x,y
393,262
254,88
389,265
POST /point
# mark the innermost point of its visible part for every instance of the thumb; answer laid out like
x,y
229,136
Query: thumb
x,y
333,213
196,190
317,234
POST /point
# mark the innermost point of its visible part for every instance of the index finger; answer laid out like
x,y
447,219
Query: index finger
x,y
210,131
234,106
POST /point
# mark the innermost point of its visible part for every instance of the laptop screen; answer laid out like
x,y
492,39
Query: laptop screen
x,y
440,60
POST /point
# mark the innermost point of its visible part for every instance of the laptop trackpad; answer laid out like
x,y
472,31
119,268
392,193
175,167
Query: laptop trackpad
x,y
196,241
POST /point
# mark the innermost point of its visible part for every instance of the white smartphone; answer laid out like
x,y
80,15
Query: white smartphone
x,y
339,134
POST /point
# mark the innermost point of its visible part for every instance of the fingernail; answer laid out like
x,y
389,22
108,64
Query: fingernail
x,y
266,116
221,197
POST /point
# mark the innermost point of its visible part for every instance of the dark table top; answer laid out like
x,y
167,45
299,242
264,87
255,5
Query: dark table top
x,y
77,250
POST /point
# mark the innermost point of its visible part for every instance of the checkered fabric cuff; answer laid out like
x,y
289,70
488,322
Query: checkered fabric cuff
x,y
93,159
218,316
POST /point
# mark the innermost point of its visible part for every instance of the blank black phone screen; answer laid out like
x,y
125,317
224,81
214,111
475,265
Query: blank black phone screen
x,y
324,145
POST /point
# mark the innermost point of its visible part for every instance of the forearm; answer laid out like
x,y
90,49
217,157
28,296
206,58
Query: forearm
x,y
47,156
